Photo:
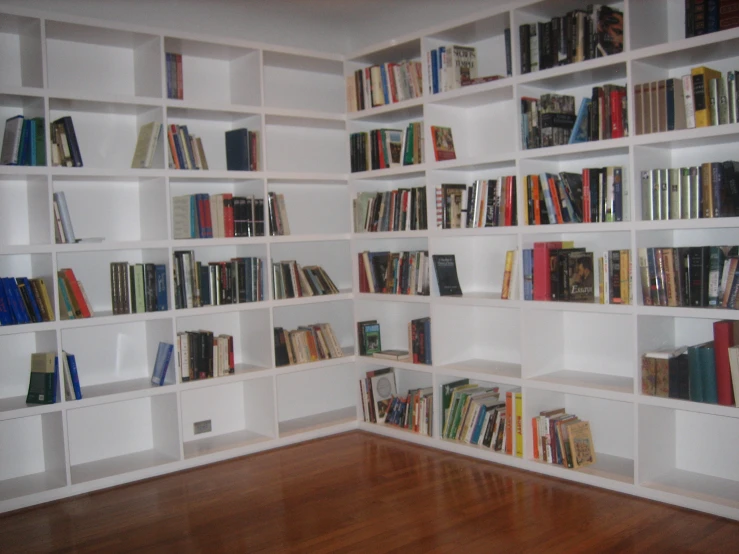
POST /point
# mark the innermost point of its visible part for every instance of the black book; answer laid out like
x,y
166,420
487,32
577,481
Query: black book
x,y
573,187
205,299
259,217
696,268
524,33
581,277
150,280
237,150
446,275
558,275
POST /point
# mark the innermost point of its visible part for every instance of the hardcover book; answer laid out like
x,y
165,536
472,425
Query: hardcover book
x,y
446,275
581,444
581,278
443,143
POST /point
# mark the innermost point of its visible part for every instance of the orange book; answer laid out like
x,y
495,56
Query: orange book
x,y
506,291
555,199
74,287
172,148
509,429
535,436
310,339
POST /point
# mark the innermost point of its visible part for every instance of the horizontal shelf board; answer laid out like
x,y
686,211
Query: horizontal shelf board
x,y
589,72
607,466
223,309
397,363
131,388
399,111
317,421
23,170
220,174
689,138
309,238
391,235
308,178
118,465
582,307
494,162
304,118
497,372
122,105
179,244
489,299
687,224
370,296
604,227
582,382
219,443
475,95
343,295
392,173
688,406
242,372
698,50
31,484
474,231
185,109
9,94
572,152
27,328
697,485
107,318
707,313
348,357
21,249
106,246
15,406
307,63
68,173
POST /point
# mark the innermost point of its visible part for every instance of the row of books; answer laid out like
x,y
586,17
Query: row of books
x,y
24,300
138,288
175,89
697,276
383,84
73,300
242,150
596,195
308,343
23,141
65,151
204,355
394,272
413,412
562,439
291,280
278,222
574,37
185,150
385,148
485,203
395,210
199,284
146,145
708,190
217,216
44,378
454,66
709,16
707,372
701,99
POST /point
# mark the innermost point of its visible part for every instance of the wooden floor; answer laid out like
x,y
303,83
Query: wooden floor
x,y
357,492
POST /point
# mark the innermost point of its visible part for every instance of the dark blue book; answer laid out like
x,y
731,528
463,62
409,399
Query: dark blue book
x,y
74,375
161,364
16,302
708,372
695,374
427,339
6,312
160,273
32,300
237,150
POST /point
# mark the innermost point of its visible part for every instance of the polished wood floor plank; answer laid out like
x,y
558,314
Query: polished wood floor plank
x,y
358,492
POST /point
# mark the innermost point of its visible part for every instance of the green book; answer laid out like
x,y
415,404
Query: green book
x,y
40,142
694,371
44,375
708,371
446,399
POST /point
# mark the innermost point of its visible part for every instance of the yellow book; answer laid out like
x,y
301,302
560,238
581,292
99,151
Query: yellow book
x,y
505,293
702,76
518,400
601,287
624,277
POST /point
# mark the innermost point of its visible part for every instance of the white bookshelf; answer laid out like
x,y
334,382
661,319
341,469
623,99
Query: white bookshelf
x,y
111,79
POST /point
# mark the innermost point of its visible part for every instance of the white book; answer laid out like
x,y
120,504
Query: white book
x,y
181,217
688,101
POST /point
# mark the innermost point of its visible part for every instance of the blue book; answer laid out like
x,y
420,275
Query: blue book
x,y
440,69
551,213
74,375
194,216
708,371
23,146
6,312
694,372
385,88
31,142
434,71
16,302
478,425
160,273
528,274
580,130
31,299
427,339
164,356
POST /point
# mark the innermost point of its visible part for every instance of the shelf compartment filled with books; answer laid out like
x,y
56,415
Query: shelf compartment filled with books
x,y
217,208
210,74
397,398
481,414
678,457
303,82
247,344
393,266
332,399
384,77
679,182
487,268
389,142
90,288
292,146
127,209
41,438
575,351
16,350
117,358
20,40
478,340
404,331
303,209
228,416
29,291
592,188
468,54
313,270
146,430
79,55
203,139
320,334
689,359
551,34
24,210
24,130
689,268
78,125
404,199
549,417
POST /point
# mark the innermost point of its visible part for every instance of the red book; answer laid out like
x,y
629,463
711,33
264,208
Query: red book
x,y
535,436
617,124
392,85
180,87
75,289
509,201
228,214
586,196
542,282
723,338
363,284
172,148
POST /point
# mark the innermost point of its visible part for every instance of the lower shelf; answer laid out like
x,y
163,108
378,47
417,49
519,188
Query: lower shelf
x,y
317,421
219,443
27,485
696,485
611,467
118,465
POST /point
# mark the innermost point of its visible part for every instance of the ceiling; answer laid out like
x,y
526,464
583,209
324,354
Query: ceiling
x,y
338,26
